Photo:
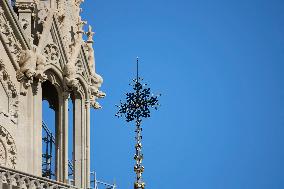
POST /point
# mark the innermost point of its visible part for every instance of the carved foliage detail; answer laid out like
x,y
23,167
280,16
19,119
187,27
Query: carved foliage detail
x,y
3,154
51,53
9,39
12,93
8,151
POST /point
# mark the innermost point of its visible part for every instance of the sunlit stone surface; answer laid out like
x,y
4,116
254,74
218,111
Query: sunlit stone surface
x,y
43,57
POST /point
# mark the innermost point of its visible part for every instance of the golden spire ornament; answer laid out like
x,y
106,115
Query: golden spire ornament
x,y
137,107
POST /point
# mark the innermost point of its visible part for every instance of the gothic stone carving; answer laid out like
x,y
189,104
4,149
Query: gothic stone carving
x,y
70,80
12,93
42,12
96,81
25,6
24,23
51,53
79,66
15,179
81,69
10,40
31,66
8,151
90,50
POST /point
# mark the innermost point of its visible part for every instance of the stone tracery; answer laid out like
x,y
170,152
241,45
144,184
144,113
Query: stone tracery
x,y
12,93
7,145
9,38
51,53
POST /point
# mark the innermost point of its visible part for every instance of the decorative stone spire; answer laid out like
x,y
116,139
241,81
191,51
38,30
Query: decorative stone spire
x,y
80,25
90,35
91,53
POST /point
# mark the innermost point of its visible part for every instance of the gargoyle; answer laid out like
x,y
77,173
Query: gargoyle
x,y
69,73
96,82
95,93
27,63
31,65
40,64
95,104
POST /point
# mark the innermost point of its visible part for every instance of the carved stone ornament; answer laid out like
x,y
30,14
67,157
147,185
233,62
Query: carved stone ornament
x,y
51,53
90,50
80,68
11,111
95,104
42,13
70,80
8,150
16,179
24,23
70,24
78,2
9,38
96,81
24,6
31,67
90,34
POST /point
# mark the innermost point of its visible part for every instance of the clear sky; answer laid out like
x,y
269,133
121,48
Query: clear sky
x,y
219,66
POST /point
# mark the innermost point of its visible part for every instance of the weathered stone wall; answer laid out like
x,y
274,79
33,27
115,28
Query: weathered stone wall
x,y
40,41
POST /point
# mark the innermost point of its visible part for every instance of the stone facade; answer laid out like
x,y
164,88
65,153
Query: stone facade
x,y
43,56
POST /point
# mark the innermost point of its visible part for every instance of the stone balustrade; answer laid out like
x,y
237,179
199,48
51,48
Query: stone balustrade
x,y
12,179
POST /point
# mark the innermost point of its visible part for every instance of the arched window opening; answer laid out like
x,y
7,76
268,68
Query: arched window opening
x,y
49,129
70,139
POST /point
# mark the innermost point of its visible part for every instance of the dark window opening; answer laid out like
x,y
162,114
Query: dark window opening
x,y
49,129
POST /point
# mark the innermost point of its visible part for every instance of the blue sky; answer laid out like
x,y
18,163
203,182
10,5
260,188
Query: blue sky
x,y
219,66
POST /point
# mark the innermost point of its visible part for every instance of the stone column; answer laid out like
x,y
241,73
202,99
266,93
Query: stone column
x,y
87,171
65,138
58,141
59,138
78,148
26,120
62,139
37,127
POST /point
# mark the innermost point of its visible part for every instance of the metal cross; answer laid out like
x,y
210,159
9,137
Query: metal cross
x,y
137,107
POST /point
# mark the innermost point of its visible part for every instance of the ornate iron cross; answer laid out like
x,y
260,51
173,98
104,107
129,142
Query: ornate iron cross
x,y
137,107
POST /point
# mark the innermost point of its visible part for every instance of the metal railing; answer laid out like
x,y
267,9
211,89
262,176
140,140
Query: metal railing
x,y
97,184
49,141
47,171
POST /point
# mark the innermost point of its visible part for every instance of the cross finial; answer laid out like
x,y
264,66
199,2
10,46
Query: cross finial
x,y
137,68
90,34
137,106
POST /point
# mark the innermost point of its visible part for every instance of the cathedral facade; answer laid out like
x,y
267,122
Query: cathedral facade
x,y
43,56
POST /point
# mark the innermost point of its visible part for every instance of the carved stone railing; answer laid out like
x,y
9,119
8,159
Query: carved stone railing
x,y
10,178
